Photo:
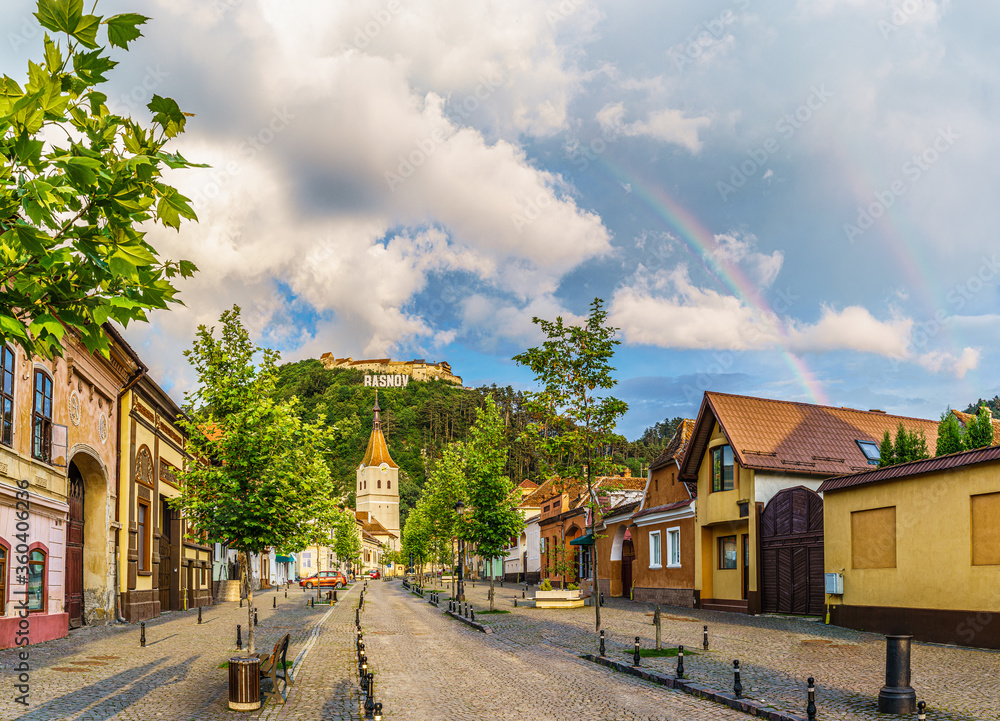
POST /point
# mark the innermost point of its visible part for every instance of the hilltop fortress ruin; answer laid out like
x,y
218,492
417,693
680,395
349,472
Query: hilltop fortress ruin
x,y
417,369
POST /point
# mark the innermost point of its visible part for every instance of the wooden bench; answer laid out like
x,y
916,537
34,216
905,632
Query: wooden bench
x,y
273,667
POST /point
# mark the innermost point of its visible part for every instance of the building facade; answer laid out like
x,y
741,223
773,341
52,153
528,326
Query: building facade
x,y
377,490
161,566
417,369
917,549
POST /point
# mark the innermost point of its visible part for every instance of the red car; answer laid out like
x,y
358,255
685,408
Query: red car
x,y
325,579
374,574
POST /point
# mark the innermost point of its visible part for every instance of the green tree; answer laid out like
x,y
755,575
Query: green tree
x,y
76,183
493,517
979,429
416,545
346,537
949,439
258,478
886,453
903,447
573,420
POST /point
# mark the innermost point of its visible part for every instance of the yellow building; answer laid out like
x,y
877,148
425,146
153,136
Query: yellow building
x,y
160,568
758,464
377,479
915,549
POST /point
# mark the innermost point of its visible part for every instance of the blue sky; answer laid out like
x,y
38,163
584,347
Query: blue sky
x,y
786,200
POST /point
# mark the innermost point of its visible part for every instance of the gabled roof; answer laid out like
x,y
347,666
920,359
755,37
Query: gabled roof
x,y
675,446
913,468
377,452
791,437
661,509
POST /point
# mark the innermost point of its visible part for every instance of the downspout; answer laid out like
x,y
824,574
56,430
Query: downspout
x,y
129,385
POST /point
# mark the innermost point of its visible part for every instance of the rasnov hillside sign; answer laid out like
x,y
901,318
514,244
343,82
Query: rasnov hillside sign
x,y
398,380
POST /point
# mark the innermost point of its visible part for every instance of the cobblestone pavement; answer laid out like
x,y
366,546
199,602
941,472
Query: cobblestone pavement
x,y
777,655
430,668
100,673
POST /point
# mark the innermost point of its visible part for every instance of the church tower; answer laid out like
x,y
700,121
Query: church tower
x,y
377,491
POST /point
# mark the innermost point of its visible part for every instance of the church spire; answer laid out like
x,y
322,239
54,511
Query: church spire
x,y
377,452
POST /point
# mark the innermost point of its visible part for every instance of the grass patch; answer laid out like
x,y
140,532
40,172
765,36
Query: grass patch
x,y
499,610
663,652
282,664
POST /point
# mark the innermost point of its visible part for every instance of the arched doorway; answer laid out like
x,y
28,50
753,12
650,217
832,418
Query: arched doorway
x,y
74,548
89,583
791,542
628,555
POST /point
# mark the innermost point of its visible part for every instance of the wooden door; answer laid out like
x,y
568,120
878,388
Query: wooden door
x,y
74,549
628,555
791,538
746,566
166,561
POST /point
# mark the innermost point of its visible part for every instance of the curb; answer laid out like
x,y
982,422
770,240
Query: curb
x,y
753,708
467,622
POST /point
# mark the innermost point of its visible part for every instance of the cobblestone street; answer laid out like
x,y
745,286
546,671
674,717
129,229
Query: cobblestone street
x,y
777,655
430,667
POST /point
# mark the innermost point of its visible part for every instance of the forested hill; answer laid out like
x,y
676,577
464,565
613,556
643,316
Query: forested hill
x,y
418,421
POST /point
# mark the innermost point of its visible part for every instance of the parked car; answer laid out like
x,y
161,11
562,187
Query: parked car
x,y
374,574
325,579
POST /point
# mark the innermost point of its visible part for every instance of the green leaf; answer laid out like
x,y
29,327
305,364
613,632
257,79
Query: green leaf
x,y
30,239
124,28
82,172
172,207
167,114
53,55
135,254
47,323
28,151
86,30
61,16
92,66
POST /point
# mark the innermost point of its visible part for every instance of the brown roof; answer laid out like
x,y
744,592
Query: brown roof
x,y
793,437
913,468
661,509
526,483
377,452
675,446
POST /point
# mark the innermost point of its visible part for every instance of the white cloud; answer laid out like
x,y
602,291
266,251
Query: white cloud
x,y
666,125
853,328
942,361
741,248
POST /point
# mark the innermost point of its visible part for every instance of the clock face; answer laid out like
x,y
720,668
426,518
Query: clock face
x,y
384,468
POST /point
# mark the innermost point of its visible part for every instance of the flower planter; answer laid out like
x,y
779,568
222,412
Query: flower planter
x,y
558,599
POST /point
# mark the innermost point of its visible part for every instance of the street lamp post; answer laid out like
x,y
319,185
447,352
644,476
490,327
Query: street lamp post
x,y
459,510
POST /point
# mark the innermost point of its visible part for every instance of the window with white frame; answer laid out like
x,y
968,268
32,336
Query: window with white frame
x,y
673,547
654,550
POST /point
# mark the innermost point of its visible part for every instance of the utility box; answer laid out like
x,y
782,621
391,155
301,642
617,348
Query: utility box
x,y
835,584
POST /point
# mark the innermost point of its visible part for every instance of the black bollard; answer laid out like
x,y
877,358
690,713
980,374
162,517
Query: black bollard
x,y
142,635
255,616
239,638
737,684
241,602
199,614
680,662
378,711
602,598
811,704
897,696
635,653
602,642
522,594
274,602
472,615
286,591
312,602
921,711
704,640
370,697
335,595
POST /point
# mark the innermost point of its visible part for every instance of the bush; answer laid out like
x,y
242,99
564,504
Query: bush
x,y
572,587
546,585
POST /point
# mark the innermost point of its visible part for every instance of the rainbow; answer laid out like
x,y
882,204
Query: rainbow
x,y
700,242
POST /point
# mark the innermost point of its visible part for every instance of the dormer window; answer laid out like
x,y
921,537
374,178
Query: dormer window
x,y
870,449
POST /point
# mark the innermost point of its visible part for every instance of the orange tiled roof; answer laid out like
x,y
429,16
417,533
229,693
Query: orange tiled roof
x,y
675,446
794,437
377,452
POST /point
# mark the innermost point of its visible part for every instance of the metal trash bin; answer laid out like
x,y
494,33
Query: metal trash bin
x,y
244,683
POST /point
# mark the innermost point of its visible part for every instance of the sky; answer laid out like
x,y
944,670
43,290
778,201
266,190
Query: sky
x,y
786,200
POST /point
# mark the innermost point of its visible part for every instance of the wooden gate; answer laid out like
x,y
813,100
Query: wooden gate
x,y
74,549
791,540
628,555
166,562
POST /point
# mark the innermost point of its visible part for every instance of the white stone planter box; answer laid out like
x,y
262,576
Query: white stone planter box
x,y
558,599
